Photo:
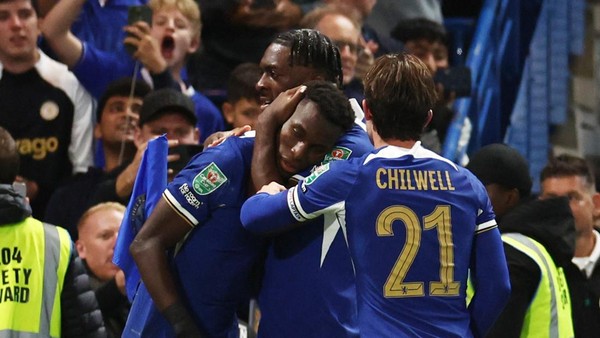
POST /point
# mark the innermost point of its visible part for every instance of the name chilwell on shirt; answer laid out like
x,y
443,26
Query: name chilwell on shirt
x,y
410,179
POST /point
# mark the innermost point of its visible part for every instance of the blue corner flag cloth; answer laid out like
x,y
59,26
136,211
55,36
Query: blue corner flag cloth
x,y
150,182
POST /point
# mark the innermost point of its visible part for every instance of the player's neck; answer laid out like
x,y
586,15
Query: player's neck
x,y
378,142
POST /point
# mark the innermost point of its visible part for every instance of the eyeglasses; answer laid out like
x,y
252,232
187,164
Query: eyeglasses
x,y
354,48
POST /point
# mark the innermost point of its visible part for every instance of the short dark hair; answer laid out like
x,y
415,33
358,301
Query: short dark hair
x,y
121,87
568,165
34,4
332,103
311,48
9,158
419,28
399,91
242,82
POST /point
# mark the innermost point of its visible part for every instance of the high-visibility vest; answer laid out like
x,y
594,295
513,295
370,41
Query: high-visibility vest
x,y
549,314
34,257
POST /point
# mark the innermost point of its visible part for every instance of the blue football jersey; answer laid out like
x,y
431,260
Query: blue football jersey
x,y
412,221
308,288
214,262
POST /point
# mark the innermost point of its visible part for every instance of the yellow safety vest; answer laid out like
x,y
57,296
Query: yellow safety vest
x,y
34,257
549,314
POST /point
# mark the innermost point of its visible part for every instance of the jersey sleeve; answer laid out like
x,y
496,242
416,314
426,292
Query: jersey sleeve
x,y
96,69
489,270
212,179
323,191
486,219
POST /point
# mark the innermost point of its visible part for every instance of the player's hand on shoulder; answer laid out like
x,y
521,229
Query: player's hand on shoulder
x,y
219,137
272,188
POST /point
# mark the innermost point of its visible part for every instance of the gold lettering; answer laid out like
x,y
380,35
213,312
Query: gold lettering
x,y
448,181
440,180
52,144
432,180
409,182
402,173
37,147
24,146
380,183
392,179
420,179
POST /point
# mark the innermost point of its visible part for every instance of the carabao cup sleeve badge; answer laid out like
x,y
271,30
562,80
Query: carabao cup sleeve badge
x,y
209,179
338,153
318,172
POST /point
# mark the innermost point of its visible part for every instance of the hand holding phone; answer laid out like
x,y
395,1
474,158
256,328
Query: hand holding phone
x,y
20,188
135,14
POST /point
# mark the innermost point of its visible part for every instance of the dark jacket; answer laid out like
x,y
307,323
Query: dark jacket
x,y
550,223
113,304
585,300
80,314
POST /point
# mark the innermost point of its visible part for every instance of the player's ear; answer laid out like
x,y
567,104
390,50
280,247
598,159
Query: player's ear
x,y
367,110
429,117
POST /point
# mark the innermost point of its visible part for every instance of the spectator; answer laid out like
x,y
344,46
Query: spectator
x,y
98,229
341,24
42,105
386,13
209,275
242,106
116,117
538,238
408,292
90,25
42,262
571,177
164,111
427,40
375,44
235,32
162,50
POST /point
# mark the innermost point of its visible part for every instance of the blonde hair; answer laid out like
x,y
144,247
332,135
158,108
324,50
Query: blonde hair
x,y
189,9
100,207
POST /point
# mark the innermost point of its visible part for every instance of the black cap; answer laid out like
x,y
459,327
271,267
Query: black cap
x,y
167,100
498,163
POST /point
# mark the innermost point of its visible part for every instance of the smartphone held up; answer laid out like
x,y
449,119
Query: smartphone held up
x,y
135,14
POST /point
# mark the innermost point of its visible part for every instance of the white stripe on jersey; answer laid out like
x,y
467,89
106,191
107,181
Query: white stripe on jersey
x,y
298,212
417,151
332,224
486,225
293,205
181,210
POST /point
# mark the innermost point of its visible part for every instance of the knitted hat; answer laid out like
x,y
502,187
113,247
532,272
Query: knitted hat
x,y
167,100
498,163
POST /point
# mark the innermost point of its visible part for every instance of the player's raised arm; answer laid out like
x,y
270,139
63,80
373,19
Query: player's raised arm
x,y
267,212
